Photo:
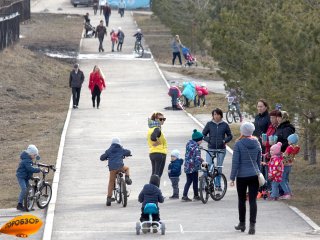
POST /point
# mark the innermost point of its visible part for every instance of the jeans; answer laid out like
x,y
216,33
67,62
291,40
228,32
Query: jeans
x,y
242,184
23,185
76,96
203,99
106,17
100,44
158,161
275,189
96,94
220,159
191,178
174,55
112,45
285,180
119,47
175,186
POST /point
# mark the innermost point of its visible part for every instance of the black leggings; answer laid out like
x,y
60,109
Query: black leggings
x,y
174,55
242,184
158,161
96,94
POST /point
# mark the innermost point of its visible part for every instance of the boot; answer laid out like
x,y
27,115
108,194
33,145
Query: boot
x,y
109,200
20,207
241,226
128,180
252,229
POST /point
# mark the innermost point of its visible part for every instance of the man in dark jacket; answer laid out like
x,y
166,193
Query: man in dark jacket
x,y
25,171
219,135
75,82
107,13
115,154
151,194
100,32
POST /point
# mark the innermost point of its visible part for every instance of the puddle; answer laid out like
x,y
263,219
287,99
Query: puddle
x,y
59,55
116,56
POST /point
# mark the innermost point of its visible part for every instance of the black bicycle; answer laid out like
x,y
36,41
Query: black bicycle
x,y
120,189
138,48
212,183
39,190
232,113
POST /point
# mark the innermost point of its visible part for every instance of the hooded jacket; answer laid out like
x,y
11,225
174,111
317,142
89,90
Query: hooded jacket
x,y
25,169
244,151
219,134
115,155
96,79
193,158
284,130
151,192
189,90
174,168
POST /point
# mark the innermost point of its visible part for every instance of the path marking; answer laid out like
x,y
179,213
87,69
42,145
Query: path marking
x,y
181,229
305,218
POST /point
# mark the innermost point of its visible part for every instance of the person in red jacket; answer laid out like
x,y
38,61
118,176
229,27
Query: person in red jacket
x,y
96,85
202,92
114,39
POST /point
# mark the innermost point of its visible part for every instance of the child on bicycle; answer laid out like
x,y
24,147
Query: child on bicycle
x,y
174,171
151,193
25,171
138,35
192,165
115,154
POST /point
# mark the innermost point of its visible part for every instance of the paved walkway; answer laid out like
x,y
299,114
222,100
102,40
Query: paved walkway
x,y
134,90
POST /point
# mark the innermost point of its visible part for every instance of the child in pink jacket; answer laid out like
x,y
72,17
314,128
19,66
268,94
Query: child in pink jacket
x,y
114,38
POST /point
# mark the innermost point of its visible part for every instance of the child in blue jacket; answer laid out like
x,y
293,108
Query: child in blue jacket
x,y
174,171
25,171
114,154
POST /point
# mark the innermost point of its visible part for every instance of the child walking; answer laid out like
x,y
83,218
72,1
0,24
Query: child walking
x,y
25,171
275,170
288,157
120,35
174,171
192,165
114,154
114,38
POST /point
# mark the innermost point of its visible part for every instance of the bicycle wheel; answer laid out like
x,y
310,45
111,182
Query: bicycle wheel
x,y
229,116
204,193
236,117
117,192
29,198
219,191
45,195
123,192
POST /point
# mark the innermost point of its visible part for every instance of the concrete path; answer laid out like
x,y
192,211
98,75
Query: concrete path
x,y
134,90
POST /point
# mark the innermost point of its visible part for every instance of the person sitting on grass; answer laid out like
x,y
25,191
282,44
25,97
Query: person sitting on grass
x,y
151,193
114,154
25,171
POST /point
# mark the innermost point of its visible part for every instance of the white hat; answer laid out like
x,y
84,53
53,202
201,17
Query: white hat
x,y
32,150
115,140
247,128
119,28
175,153
203,84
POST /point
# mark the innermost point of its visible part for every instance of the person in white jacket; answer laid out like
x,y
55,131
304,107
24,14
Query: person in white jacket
x,y
102,3
121,7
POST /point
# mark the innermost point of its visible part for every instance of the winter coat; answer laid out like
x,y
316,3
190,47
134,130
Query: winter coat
x,y
150,194
76,79
289,154
193,158
138,36
120,36
155,134
115,155
175,46
174,168
174,93
106,11
243,151
122,4
219,134
283,131
189,90
96,79
202,91
275,168
261,124
25,169
114,36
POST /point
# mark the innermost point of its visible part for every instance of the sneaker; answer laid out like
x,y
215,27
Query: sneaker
x,y
20,207
128,180
196,198
285,197
218,189
174,197
109,200
74,106
154,228
186,199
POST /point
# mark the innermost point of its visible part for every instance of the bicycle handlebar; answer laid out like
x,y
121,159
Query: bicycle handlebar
x,y
47,166
211,151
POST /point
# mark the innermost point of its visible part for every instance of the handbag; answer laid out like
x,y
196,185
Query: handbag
x,y
261,178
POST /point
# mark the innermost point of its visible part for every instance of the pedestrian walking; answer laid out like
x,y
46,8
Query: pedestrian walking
x,y
102,3
96,85
101,31
121,7
174,171
107,13
192,165
157,143
75,82
95,6
114,38
246,160
176,46
217,134
120,39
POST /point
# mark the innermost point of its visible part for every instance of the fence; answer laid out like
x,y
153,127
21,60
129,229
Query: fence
x,y
10,18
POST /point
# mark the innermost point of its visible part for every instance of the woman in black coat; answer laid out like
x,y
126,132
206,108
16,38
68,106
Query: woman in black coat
x,y
284,129
262,120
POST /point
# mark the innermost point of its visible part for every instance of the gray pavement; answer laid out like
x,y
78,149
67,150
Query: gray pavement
x,y
134,90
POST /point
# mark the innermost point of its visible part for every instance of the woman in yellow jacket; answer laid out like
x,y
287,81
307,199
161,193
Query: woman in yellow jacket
x,y
157,143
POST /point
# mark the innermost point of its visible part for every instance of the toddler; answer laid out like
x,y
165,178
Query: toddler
x,y
275,170
174,171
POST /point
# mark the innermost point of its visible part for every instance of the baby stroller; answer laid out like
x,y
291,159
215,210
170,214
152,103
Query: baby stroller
x,y
90,30
190,60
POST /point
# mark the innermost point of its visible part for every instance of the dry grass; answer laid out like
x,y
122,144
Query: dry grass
x,y
34,98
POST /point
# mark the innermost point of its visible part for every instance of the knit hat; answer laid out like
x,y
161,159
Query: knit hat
x,y
175,153
116,141
32,150
285,116
155,180
197,136
247,128
276,148
293,138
